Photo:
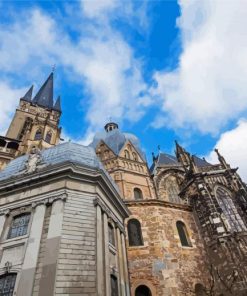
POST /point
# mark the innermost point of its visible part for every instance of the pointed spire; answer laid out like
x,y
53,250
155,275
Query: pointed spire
x,y
28,96
44,97
221,159
57,105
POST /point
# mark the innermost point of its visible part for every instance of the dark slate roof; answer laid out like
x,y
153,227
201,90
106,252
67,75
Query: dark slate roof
x,y
66,152
57,105
200,162
28,96
44,97
116,139
164,159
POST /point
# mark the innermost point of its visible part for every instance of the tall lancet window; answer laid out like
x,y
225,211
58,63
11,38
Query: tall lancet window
x,y
172,190
231,217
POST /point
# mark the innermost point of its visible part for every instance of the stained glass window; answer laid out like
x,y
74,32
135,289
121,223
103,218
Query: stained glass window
x,y
7,284
19,226
233,219
138,194
114,285
183,234
135,233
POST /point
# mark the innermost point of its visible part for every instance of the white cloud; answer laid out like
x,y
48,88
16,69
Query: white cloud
x,y
101,59
209,86
233,146
9,97
97,8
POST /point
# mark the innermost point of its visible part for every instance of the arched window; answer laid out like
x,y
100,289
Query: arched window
x,y
142,290
183,234
135,233
48,137
172,190
114,285
134,156
111,234
138,194
38,135
19,226
126,154
233,220
200,290
7,284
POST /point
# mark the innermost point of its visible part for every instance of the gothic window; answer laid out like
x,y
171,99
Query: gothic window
x,y
19,226
138,194
114,285
7,284
111,234
142,290
172,190
48,137
183,234
38,135
232,218
134,156
135,233
126,154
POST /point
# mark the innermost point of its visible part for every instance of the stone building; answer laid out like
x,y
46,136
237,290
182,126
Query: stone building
x,y
98,220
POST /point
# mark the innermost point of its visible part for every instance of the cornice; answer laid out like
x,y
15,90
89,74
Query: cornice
x,y
157,202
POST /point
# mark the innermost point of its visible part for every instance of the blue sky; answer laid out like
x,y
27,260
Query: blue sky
x,y
163,70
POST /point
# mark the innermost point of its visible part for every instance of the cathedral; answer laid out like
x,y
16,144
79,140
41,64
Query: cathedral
x,y
98,220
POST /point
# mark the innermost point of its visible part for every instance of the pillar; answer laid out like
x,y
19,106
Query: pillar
x,y
121,263
125,265
32,251
99,251
48,276
107,262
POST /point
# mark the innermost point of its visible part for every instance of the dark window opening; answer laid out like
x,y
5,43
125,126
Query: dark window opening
x,y
38,135
183,235
138,194
114,285
48,137
135,233
143,291
200,290
19,226
111,234
7,284
2,143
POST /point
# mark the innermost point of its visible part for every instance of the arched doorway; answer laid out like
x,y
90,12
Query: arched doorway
x,y
142,290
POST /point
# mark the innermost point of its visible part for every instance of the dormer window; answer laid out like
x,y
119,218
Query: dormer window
x,y
126,154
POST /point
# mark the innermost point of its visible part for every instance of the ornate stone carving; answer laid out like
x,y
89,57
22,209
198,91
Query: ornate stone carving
x,y
34,161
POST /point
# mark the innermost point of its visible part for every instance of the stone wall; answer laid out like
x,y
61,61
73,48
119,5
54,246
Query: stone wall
x,y
162,263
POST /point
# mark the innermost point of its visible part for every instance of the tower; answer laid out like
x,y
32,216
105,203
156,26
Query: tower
x,y
35,123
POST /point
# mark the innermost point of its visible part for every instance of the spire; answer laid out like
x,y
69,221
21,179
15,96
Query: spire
x,y
44,97
221,159
57,105
28,96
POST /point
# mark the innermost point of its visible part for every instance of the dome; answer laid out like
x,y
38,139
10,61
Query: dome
x,y
115,140
66,152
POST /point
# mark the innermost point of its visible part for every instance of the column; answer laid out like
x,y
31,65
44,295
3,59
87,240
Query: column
x,y
125,265
48,276
121,262
32,251
107,262
2,222
100,270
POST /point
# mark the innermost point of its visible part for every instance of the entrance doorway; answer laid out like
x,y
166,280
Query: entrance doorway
x,y
143,290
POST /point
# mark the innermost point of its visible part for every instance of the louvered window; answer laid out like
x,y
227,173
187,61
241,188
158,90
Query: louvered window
x,y
138,194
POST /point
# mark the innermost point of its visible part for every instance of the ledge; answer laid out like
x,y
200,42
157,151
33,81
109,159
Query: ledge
x,y
157,202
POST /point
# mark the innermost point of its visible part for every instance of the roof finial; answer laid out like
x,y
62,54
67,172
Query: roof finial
x,y
53,68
